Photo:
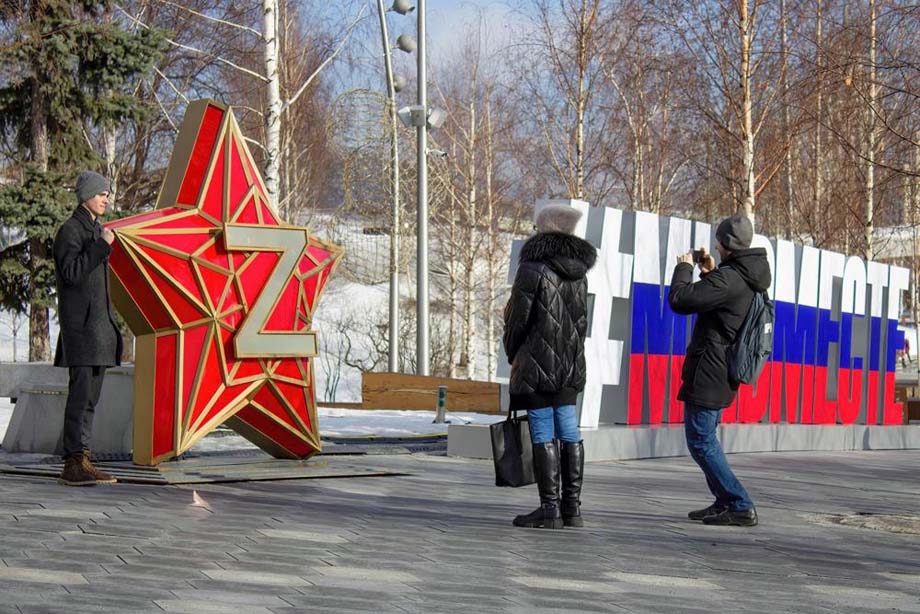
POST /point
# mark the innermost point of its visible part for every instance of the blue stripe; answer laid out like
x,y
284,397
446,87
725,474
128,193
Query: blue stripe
x,y
794,334
875,343
895,343
802,334
828,332
653,322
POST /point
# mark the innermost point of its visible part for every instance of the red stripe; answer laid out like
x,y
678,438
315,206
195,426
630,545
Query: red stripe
x,y
675,407
636,389
894,411
872,401
849,394
657,386
776,391
808,394
752,400
793,376
825,409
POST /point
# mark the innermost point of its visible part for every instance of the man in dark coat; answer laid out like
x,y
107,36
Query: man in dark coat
x,y
89,340
546,320
721,298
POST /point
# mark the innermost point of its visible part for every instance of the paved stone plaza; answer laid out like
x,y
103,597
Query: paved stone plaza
x,y
439,539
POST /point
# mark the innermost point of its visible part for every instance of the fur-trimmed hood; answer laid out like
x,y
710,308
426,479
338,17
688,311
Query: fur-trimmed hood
x,y
569,256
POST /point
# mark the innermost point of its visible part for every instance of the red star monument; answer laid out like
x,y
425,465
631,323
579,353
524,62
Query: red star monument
x,y
220,294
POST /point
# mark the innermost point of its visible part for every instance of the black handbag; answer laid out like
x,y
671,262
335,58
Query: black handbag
x,y
512,451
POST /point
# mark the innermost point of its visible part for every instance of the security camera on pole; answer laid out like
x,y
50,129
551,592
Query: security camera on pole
x,y
422,118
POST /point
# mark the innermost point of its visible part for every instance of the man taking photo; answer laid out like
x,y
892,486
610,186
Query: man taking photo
x,y
721,298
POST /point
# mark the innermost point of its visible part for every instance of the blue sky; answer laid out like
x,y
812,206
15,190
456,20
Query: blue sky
x,y
447,20
449,23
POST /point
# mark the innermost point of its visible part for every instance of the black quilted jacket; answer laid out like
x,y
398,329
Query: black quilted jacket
x,y
546,320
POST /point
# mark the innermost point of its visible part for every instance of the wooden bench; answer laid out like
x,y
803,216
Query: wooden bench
x,y
420,392
908,396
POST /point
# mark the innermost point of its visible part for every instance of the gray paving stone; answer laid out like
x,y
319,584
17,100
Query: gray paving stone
x,y
320,598
64,606
252,577
336,605
238,598
40,576
13,593
178,571
396,546
567,585
202,606
309,536
116,582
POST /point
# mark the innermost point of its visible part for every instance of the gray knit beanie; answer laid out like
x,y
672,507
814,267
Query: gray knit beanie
x,y
558,218
90,184
735,232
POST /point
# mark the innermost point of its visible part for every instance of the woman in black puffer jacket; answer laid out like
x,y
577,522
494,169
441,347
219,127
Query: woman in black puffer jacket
x,y
546,320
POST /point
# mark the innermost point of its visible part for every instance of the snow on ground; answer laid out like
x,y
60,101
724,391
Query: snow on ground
x,y
6,412
333,422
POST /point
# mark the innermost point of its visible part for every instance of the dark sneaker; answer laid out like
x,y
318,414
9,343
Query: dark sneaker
x,y
712,510
101,476
745,518
74,474
546,516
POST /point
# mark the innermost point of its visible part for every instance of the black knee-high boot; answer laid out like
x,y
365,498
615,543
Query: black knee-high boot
x,y
546,470
572,463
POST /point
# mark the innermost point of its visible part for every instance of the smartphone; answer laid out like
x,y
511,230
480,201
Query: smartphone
x,y
698,255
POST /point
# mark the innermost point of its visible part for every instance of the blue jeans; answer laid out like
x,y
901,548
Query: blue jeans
x,y
548,423
700,425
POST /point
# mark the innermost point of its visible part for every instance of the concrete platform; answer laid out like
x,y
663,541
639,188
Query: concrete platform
x,y
631,443
212,469
37,424
14,374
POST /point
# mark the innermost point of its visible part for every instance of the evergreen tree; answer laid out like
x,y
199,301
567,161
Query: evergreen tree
x,y
69,70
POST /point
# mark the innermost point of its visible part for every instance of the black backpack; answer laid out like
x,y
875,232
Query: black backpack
x,y
754,342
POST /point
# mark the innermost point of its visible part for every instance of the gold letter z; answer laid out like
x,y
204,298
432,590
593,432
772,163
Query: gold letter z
x,y
251,340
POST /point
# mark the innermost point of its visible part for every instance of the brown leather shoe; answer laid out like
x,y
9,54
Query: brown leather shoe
x,y
74,474
101,476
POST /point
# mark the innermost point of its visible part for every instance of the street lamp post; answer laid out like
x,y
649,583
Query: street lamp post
x,y
422,321
422,118
394,84
393,358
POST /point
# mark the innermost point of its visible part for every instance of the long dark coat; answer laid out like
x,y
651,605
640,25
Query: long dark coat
x,y
546,320
89,336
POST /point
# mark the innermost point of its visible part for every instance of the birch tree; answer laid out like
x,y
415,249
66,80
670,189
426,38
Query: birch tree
x,y
733,43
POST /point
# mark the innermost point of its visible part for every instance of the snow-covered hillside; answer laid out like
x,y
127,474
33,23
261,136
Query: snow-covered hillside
x,y
352,316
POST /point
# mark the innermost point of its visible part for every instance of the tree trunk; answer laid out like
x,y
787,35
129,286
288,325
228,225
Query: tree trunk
x,y
273,104
469,325
914,205
494,250
39,327
747,131
818,162
870,137
580,104
452,288
787,124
